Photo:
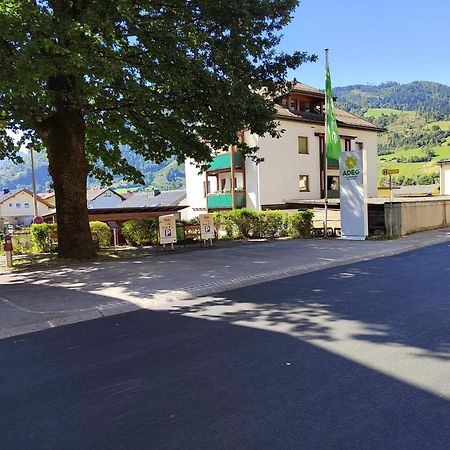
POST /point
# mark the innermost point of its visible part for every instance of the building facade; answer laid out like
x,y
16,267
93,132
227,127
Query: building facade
x,y
17,208
294,166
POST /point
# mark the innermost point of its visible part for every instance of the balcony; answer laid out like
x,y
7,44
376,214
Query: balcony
x,y
223,161
225,201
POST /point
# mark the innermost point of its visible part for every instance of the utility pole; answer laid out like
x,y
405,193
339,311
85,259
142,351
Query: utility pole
x,y
35,210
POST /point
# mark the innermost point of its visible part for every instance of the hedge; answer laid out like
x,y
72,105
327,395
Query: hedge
x,y
141,231
44,235
101,233
245,223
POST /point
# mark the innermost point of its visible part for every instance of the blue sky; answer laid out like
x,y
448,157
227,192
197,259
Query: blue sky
x,y
372,41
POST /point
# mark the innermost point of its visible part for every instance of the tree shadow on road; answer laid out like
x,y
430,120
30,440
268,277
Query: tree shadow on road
x,y
151,379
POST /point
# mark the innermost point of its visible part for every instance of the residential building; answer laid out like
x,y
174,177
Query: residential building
x,y
293,168
17,207
444,178
103,198
48,196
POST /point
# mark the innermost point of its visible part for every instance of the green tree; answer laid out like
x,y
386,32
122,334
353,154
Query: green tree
x,y
82,77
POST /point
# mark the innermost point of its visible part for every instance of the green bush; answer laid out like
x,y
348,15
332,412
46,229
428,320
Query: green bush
x,y
42,236
224,225
141,231
22,244
245,223
272,224
101,233
300,224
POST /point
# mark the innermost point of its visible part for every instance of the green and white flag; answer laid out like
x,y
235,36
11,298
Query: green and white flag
x,y
333,140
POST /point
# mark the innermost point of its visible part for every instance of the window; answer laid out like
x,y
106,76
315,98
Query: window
x,y
10,205
108,194
359,145
303,183
293,105
26,205
18,205
303,145
347,145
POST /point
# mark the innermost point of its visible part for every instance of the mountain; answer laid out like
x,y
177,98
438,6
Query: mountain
x,y
415,96
164,176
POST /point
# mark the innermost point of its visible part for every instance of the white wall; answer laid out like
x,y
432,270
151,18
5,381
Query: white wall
x,y
445,179
22,214
108,199
195,191
279,173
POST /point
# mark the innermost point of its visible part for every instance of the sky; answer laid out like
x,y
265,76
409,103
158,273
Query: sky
x,y
372,41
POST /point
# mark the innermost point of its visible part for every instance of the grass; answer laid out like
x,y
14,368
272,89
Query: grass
x,y
378,112
412,170
442,124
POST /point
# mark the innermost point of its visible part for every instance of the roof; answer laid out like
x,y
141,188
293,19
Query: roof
x,y
343,119
146,199
13,192
305,89
46,195
92,194
444,161
417,190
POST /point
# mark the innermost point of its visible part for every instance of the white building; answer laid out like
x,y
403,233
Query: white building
x,y
293,166
444,176
103,198
17,207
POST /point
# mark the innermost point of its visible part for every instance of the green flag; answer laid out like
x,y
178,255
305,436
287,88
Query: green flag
x,y
333,139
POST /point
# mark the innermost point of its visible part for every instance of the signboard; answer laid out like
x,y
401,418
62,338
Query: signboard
x,y
206,226
167,229
390,171
354,224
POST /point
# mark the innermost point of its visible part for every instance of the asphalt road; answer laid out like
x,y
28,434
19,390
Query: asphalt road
x,y
356,357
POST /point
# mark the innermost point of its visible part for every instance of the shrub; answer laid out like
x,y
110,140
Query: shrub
x,y
141,231
300,224
224,225
246,222
272,224
22,244
42,236
101,233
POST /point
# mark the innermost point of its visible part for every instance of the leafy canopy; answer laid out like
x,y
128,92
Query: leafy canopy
x,y
163,77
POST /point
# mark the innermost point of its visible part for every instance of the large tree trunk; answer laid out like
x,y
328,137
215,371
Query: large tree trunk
x,y
64,138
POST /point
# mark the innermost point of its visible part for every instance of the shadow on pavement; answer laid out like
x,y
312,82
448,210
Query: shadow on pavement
x,y
157,380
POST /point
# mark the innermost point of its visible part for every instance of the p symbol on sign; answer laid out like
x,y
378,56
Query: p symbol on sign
x,y
207,228
168,232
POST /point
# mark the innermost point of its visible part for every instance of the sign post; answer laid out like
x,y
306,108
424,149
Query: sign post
x,y
167,230
8,248
354,222
207,227
390,172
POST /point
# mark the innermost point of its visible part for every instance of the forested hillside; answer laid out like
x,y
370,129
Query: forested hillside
x,y
166,175
415,96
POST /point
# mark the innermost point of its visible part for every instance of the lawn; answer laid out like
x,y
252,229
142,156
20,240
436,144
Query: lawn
x,y
412,170
442,124
378,112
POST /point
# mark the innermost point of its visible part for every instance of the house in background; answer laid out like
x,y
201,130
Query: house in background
x,y
293,168
103,198
16,206
444,176
48,196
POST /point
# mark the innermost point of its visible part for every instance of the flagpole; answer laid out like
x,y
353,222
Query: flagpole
x,y
325,222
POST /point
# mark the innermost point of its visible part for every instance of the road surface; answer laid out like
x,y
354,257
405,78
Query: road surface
x,y
352,357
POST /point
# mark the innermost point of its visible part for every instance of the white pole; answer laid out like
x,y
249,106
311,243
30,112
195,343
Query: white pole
x,y
325,156
33,178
